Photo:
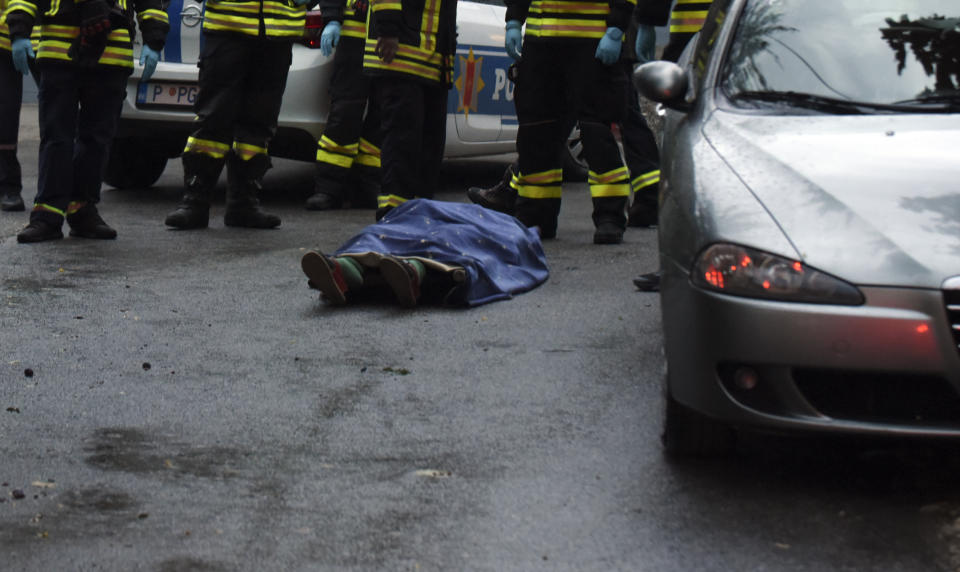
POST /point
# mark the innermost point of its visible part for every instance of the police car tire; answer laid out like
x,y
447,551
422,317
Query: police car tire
x,y
130,166
574,165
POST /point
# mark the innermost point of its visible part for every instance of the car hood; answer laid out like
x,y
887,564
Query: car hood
x,y
872,199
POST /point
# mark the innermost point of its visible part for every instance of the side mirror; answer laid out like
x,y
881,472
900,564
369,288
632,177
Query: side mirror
x,y
663,82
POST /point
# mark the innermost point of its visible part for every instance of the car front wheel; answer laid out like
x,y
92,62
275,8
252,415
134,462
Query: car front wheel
x,y
133,165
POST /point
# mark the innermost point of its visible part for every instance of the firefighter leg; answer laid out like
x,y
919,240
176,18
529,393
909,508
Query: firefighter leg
x,y
366,169
100,96
608,177
249,159
222,68
11,92
402,118
643,161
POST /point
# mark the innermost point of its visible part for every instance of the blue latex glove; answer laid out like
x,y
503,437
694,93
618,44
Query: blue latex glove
x,y
330,37
646,46
21,50
608,51
513,39
148,59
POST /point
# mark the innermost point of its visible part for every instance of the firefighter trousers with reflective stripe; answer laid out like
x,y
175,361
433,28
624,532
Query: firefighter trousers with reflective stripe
x,y
241,88
79,110
353,116
414,126
557,80
11,93
639,145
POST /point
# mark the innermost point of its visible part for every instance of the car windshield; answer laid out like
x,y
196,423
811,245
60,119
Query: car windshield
x,y
846,56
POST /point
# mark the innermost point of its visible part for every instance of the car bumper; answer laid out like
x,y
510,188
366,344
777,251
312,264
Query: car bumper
x,y
890,366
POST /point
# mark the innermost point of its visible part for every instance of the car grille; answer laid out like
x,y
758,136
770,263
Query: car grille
x,y
875,397
951,298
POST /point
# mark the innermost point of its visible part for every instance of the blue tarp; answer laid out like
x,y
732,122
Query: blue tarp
x,y
501,256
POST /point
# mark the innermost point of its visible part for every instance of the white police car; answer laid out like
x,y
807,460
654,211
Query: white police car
x,y
158,115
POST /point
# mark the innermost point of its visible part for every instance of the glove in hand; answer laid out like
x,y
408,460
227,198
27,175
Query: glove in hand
x,y
513,39
330,37
608,51
21,50
646,46
148,59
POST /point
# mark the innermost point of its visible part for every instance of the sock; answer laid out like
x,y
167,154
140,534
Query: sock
x,y
352,271
418,266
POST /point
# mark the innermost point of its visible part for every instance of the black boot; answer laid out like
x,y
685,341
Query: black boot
x,y
11,201
610,219
643,211
243,183
321,201
86,222
539,213
40,229
194,208
500,197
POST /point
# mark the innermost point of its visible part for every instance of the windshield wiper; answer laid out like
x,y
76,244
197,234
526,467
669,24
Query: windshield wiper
x,y
827,104
945,101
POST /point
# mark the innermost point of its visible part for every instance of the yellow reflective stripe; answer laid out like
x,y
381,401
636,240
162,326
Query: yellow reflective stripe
x,y
429,24
382,5
390,201
281,9
368,160
282,28
247,151
214,149
331,145
152,14
353,29
615,175
540,192
52,31
371,61
48,208
615,190
74,206
345,161
555,27
645,180
584,8
551,176
219,22
368,147
242,7
687,21
53,50
23,6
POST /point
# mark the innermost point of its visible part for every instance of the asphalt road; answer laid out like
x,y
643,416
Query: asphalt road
x,y
181,401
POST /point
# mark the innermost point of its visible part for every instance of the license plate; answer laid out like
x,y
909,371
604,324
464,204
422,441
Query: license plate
x,y
167,95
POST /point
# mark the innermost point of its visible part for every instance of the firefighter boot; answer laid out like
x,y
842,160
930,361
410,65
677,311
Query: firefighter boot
x,y
194,208
500,197
243,183
42,227
539,213
643,210
86,222
610,219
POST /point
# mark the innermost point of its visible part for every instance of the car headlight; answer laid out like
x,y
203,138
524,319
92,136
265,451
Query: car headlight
x,y
742,271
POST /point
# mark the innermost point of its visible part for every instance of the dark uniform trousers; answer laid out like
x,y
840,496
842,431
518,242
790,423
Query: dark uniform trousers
x,y
79,109
11,93
640,149
563,79
351,139
414,127
243,79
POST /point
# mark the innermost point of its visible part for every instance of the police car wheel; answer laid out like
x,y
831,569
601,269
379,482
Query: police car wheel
x,y
132,166
574,164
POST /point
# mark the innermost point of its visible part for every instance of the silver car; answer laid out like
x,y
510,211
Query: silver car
x,y
810,221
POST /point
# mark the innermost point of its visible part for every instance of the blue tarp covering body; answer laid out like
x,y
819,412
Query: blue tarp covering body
x,y
500,255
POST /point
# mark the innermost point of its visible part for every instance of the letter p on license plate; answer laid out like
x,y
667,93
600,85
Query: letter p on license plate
x,y
170,95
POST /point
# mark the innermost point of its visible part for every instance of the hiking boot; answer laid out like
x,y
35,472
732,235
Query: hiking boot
x,y
403,278
324,274
87,223
39,230
500,197
11,201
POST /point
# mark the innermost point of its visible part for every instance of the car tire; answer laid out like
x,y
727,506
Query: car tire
x,y
133,165
687,433
574,164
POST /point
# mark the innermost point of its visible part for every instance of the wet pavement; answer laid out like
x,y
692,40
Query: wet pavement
x,y
181,401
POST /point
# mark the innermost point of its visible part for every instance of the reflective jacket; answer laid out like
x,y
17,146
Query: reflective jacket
x,y
427,30
274,19
5,32
570,19
352,16
60,28
688,16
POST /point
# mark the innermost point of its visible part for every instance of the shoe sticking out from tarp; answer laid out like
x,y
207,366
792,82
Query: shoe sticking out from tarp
x,y
404,279
324,274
